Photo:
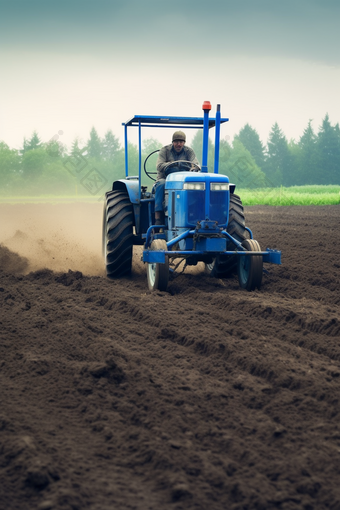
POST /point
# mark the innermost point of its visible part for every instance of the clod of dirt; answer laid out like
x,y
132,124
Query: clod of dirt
x,y
110,370
11,262
37,476
68,278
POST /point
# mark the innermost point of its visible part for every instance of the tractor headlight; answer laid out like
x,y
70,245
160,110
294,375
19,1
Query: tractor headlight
x,y
200,186
219,186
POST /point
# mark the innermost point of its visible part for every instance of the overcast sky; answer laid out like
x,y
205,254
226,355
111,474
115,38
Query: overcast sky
x,y
68,65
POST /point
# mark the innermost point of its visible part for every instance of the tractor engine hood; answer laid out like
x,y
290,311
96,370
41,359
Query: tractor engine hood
x,y
187,180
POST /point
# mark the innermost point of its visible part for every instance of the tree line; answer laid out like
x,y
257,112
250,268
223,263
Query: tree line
x,y
50,168
313,159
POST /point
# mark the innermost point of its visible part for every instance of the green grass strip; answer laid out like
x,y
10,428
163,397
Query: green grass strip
x,y
295,195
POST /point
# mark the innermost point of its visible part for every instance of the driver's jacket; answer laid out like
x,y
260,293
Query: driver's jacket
x,y
167,154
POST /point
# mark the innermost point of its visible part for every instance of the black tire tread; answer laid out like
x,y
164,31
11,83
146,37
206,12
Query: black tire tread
x,y
118,234
254,277
162,277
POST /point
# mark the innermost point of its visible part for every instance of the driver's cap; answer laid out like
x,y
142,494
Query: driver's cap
x,y
179,135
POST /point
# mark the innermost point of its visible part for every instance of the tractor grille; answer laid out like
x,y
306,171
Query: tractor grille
x,y
196,206
219,206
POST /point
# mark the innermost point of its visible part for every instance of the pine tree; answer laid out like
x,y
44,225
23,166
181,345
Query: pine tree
x,y
251,141
328,149
278,164
240,166
308,164
75,149
94,145
295,152
110,146
33,143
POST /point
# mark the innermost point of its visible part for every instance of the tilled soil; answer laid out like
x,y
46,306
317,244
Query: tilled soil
x,y
203,397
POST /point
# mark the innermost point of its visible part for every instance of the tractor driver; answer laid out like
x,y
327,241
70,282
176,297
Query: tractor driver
x,y
170,153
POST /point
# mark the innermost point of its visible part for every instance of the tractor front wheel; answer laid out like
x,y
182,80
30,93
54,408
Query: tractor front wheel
x,y
250,267
158,274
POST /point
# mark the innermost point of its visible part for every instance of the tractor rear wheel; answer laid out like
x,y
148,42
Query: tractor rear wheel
x,y
158,274
250,267
224,266
117,234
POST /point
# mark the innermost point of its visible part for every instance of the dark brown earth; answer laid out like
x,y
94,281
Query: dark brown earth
x,y
205,397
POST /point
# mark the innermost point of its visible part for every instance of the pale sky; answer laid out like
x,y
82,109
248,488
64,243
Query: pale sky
x,y
68,65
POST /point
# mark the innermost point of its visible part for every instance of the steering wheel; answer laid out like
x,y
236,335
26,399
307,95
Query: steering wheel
x,y
182,165
149,174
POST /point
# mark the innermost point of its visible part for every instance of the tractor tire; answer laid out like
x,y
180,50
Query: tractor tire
x,y
117,234
223,266
250,267
158,274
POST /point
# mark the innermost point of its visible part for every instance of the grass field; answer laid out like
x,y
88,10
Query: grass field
x,y
295,195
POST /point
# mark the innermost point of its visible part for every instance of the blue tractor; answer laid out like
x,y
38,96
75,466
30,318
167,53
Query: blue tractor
x,y
204,218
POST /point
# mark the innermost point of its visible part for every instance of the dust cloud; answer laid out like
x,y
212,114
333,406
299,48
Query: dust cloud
x,y
51,236
60,237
